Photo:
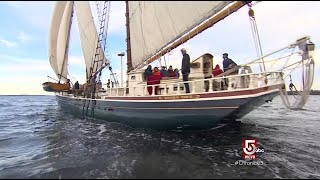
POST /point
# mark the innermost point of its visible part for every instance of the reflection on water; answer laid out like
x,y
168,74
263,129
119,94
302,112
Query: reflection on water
x,y
39,140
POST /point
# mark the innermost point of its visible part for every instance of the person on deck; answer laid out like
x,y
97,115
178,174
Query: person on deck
x,y
69,86
217,83
171,72
148,72
108,83
156,71
76,87
154,79
177,72
216,71
99,85
227,62
227,65
185,68
164,72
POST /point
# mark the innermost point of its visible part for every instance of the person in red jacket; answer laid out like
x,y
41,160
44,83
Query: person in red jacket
x,y
216,71
171,72
154,79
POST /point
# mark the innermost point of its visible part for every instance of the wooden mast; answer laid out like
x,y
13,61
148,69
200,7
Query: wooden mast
x,y
210,22
129,62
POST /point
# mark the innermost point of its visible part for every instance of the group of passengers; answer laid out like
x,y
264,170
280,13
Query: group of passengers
x,y
86,88
154,77
163,72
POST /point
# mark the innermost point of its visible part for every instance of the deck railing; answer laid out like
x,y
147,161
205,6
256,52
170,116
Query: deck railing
x,y
215,84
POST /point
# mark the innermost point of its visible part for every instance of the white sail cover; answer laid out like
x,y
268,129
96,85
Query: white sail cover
x,y
53,34
63,41
88,35
155,24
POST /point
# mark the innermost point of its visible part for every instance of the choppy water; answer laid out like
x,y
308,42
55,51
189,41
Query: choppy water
x,y
39,140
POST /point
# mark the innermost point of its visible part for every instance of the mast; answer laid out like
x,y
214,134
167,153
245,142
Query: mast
x,y
210,22
129,62
67,48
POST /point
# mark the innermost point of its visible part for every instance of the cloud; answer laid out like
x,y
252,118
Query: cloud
x,y
76,68
117,17
76,60
17,65
24,75
7,43
34,13
12,64
23,37
31,85
14,4
116,24
117,20
27,73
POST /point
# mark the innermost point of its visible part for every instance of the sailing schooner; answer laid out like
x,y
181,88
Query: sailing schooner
x,y
154,28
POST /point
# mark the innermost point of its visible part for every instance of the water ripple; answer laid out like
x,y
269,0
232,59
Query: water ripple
x,y
39,140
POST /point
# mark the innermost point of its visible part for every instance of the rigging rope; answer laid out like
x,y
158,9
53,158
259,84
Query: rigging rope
x,y
104,41
256,37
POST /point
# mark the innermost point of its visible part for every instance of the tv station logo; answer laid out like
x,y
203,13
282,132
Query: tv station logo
x,y
250,149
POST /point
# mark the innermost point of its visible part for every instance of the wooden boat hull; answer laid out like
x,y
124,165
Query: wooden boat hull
x,y
147,112
54,87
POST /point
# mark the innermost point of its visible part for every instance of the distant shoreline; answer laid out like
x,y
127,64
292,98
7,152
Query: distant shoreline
x,y
313,92
23,95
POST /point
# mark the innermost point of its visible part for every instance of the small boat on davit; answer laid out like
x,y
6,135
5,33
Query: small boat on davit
x,y
55,87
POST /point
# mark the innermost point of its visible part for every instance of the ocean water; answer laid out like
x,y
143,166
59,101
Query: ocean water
x,y
40,140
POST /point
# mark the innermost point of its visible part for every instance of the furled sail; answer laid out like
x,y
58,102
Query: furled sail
x,y
155,24
53,34
88,35
63,41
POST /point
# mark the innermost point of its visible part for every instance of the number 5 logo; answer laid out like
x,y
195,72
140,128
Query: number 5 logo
x,y
249,146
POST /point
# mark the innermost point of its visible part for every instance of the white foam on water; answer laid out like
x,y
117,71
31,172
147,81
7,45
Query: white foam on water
x,y
102,128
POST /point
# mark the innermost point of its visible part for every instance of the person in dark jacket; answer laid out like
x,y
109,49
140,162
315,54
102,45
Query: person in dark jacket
x,y
76,88
108,83
148,72
177,72
185,68
76,85
69,86
164,72
227,62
